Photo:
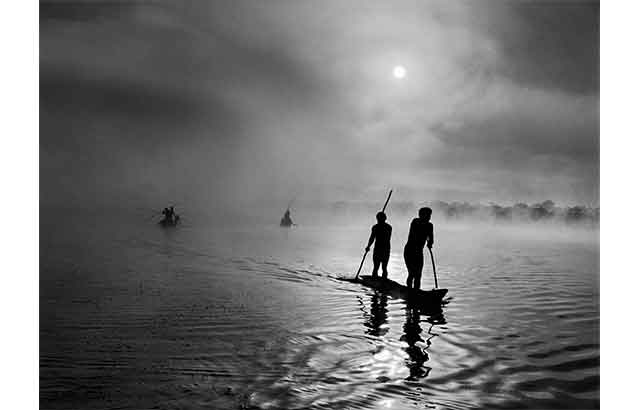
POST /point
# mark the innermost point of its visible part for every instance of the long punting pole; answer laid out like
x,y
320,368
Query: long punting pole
x,y
366,251
433,264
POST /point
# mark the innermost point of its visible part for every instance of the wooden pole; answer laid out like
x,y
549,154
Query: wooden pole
x,y
361,263
433,264
366,251
387,202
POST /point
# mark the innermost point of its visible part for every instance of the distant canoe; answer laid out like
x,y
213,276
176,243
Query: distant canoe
x,y
420,297
166,223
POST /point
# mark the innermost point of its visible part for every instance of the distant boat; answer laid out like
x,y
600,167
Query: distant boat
x,y
286,221
168,222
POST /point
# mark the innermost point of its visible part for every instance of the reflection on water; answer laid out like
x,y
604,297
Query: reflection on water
x,y
416,342
417,346
376,319
135,318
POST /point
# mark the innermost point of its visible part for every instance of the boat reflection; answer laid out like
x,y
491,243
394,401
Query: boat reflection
x,y
417,345
376,319
418,331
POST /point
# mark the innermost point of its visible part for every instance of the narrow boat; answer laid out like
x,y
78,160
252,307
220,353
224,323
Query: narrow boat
x,y
420,297
167,223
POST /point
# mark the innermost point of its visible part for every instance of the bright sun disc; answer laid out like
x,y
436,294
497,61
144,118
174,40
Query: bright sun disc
x,y
399,71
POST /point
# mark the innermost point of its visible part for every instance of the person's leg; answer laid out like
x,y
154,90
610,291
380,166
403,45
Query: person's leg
x,y
407,262
384,260
418,273
376,265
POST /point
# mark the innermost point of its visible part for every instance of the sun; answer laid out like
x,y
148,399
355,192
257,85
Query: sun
x,y
399,72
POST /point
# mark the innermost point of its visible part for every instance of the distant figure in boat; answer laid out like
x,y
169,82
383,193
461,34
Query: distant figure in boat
x,y
170,217
174,216
286,219
381,234
421,231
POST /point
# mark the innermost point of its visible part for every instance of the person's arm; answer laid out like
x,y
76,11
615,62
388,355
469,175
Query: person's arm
x,y
371,238
430,236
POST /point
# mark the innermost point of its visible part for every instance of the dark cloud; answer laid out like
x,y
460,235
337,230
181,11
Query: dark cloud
x,y
551,44
77,94
70,10
544,124
162,62
156,102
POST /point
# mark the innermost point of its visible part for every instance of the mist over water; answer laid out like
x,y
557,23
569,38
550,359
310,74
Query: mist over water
x,y
250,315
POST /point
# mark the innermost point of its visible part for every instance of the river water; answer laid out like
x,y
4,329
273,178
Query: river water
x,y
136,316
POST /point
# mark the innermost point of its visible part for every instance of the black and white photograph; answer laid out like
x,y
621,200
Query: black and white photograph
x,y
329,204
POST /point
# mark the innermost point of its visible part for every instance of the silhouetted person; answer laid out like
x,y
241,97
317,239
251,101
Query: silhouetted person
x,y
421,231
174,216
381,234
286,219
170,218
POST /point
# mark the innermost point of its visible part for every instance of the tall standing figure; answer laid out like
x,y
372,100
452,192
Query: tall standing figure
x,y
381,234
420,232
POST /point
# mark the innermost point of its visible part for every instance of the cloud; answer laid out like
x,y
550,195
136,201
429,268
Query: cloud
x,y
552,45
82,10
535,121
247,101
81,94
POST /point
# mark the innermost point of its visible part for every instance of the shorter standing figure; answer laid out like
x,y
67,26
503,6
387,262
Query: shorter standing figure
x,y
381,234
421,231
174,216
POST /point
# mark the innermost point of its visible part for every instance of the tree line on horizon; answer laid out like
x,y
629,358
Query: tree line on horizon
x,y
546,211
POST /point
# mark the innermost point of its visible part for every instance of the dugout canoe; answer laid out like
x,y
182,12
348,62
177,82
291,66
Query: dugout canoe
x,y
421,297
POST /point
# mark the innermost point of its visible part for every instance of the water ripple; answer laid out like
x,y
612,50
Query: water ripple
x,y
177,325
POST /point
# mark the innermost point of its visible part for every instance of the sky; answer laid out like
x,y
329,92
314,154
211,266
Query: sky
x,y
225,104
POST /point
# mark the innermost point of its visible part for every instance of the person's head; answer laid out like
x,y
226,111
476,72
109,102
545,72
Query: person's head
x,y
425,213
381,217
